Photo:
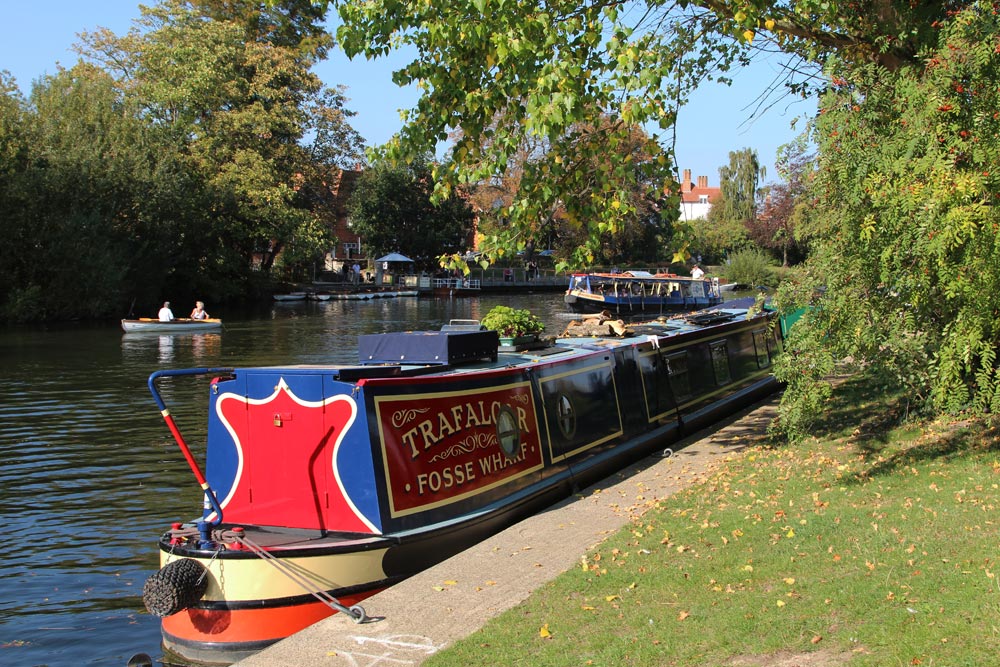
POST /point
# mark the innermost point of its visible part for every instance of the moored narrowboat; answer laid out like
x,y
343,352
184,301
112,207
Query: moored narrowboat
x,y
325,484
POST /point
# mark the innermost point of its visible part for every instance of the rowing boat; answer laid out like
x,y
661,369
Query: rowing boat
x,y
183,325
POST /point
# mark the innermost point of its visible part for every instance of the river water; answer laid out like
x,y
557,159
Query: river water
x,y
89,475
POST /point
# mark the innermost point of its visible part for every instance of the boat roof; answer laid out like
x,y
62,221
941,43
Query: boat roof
x,y
637,275
558,349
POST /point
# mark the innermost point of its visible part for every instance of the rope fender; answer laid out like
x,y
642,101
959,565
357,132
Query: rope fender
x,y
175,587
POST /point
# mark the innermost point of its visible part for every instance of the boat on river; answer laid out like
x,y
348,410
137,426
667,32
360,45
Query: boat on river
x,y
180,325
452,287
640,293
324,484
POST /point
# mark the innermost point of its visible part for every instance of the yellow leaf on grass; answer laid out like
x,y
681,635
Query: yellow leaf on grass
x,y
610,598
681,616
544,632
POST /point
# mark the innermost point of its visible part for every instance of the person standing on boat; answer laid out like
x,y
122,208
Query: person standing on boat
x,y
166,315
199,311
697,273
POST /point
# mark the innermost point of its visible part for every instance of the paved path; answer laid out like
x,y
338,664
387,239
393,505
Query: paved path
x,y
429,611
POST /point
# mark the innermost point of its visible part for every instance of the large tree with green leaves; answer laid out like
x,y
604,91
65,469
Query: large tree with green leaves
x,y
392,208
500,71
231,81
905,190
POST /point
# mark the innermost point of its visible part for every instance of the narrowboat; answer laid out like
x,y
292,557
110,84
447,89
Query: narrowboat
x,y
324,484
640,293
180,325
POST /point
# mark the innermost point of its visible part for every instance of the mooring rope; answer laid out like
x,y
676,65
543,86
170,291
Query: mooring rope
x,y
357,613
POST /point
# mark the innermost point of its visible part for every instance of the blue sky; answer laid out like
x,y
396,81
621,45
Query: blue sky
x,y
32,42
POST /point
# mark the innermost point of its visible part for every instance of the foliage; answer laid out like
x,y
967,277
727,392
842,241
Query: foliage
x,y
782,223
392,208
172,161
503,73
733,211
909,241
646,223
512,322
751,267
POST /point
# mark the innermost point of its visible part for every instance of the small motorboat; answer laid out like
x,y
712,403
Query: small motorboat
x,y
153,325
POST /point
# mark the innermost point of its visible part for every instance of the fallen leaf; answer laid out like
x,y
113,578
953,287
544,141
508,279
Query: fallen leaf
x,y
681,616
450,582
544,632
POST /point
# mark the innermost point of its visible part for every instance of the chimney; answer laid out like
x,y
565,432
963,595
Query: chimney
x,y
703,181
686,181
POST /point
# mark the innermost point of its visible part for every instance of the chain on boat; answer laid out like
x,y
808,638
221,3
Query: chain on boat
x,y
356,612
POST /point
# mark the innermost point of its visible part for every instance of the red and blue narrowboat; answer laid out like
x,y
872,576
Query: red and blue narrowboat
x,y
325,484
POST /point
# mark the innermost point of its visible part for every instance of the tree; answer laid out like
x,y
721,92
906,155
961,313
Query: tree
x,y
231,82
905,185
391,208
501,72
903,274
781,226
725,230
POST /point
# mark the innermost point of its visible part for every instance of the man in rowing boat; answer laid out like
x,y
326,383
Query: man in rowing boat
x,y
199,311
166,315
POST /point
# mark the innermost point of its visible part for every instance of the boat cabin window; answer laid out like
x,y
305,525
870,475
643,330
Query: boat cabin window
x,y
677,370
762,345
720,362
508,433
566,416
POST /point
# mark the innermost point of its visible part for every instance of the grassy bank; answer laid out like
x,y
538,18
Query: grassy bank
x,y
863,546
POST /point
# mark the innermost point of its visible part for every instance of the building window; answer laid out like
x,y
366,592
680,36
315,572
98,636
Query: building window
x,y
702,199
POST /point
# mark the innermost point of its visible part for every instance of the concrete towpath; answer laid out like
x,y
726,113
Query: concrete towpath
x,y
429,611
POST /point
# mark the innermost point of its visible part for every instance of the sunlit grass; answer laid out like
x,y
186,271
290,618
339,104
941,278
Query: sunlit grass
x,y
871,545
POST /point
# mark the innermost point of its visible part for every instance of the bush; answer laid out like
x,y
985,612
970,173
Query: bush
x,y
750,267
512,322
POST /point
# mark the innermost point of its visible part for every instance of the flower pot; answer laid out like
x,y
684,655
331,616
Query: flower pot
x,y
518,342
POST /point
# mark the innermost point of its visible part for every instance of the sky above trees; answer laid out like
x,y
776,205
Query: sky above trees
x,y
717,121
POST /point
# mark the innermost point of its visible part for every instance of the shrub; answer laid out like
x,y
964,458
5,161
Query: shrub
x,y
750,267
512,322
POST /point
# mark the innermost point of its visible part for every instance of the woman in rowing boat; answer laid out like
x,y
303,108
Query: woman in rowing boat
x,y
199,311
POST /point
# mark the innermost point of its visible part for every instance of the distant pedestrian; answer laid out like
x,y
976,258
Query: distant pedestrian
x,y
697,273
166,315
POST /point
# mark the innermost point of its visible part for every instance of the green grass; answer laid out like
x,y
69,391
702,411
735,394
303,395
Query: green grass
x,y
867,545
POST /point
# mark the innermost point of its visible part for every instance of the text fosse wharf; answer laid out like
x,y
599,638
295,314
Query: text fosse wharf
x,y
439,448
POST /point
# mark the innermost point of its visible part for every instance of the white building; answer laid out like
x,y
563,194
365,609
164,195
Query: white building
x,y
696,199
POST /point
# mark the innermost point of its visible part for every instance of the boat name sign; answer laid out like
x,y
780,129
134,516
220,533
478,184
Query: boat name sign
x,y
441,447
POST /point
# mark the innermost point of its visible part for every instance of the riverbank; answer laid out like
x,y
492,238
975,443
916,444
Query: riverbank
x,y
871,543
425,614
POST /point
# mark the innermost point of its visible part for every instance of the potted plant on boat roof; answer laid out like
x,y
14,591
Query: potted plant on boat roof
x,y
514,326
